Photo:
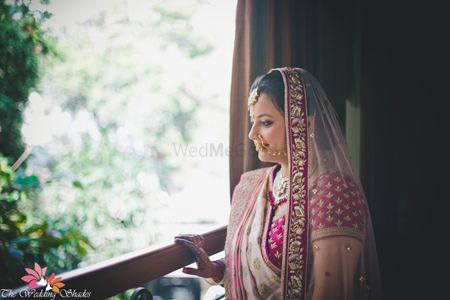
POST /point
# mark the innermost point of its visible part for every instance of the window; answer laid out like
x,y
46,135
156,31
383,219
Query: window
x,y
130,125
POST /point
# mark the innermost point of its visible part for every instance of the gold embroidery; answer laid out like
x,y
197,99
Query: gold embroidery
x,y
257,264
263,289
296,252
322,232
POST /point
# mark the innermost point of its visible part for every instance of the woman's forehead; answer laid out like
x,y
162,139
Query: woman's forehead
x,y
264,105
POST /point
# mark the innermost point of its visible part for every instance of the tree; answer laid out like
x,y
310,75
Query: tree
x,y
111,75
25,237
22,44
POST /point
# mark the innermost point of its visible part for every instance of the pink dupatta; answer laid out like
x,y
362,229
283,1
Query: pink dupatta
x,y
326,210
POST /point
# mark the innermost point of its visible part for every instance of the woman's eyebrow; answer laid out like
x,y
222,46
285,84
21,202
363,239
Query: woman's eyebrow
x,y
264,115
261,115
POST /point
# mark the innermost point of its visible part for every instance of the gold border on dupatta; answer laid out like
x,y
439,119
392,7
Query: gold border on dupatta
x,y
296,236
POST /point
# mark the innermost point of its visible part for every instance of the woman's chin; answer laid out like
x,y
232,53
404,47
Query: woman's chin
x,y
265,157
262,156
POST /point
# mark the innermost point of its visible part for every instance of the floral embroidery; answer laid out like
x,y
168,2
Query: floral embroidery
x,y
275,242
339,209
294,263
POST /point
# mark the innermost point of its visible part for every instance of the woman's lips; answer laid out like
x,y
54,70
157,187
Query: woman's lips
x,y
261,147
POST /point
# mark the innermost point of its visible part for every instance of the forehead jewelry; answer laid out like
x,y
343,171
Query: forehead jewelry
x,y
253,98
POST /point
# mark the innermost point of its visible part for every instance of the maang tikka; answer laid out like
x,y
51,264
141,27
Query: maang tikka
x,y
253,98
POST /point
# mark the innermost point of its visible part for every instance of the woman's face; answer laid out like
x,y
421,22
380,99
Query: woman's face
x,y
268,130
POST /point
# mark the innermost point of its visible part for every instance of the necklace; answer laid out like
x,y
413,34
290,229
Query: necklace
x,y
280,188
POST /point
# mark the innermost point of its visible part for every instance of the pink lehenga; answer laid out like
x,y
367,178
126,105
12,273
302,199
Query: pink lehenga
x,y
323,247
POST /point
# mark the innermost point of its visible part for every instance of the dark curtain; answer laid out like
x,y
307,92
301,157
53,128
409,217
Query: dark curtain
x,y
318,36
389,57
268,34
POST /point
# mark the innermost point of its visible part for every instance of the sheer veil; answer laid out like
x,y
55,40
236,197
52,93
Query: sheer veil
x,y
328,211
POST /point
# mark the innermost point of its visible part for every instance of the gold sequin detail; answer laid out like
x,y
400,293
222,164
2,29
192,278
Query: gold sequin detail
x,y
348,247
276,278
257,264
296,226
315,247
263,289
361,278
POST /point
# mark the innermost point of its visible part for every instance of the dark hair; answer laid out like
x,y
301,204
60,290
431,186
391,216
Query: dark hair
x,y
271,84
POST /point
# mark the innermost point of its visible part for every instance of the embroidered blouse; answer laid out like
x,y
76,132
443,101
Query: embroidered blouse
x,y
336,208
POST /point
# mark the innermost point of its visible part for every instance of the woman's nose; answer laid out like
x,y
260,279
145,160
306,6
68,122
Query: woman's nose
x,y
252,133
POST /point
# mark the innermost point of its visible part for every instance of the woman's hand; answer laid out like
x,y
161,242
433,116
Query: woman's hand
x,y
206,267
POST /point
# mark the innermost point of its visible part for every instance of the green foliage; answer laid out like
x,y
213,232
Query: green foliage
x,y
26,238
174,25
110,176
22,43
113,68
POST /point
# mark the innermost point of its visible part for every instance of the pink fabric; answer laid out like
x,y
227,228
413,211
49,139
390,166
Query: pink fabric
x,y
275,232
332,205
336,202
242,209
275,241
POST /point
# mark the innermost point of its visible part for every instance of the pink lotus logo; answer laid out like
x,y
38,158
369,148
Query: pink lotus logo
x,y
36,278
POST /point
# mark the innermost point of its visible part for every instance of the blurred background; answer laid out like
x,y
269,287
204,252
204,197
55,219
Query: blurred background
x,y
124,118
115,122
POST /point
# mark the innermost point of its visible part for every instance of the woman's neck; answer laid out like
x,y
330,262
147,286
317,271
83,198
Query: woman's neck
x,y
284,170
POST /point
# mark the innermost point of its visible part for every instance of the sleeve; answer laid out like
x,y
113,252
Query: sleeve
x,y
337,208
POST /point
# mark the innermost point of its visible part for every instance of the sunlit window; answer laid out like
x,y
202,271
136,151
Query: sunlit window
x,y
129,128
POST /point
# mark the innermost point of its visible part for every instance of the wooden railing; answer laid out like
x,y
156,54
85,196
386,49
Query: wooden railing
x,y
132,270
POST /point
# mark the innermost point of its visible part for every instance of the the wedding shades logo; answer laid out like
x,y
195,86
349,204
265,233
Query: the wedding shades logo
x,y
42,286
36,278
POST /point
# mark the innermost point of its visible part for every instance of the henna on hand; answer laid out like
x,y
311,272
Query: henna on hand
x,y
205,267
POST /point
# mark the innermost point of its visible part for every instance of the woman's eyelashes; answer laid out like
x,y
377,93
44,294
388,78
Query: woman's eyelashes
x,y
265,123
